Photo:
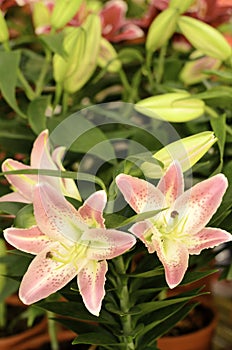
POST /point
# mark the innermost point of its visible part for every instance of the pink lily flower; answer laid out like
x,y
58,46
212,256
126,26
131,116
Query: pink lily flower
x,y
178,231
23,184
115,26
67,243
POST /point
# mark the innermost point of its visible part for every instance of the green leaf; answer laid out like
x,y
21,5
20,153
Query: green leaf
x,y
9,64
100,337
76,310
219,128
146,308
147,274
164,326
55,43
132,219
222,74
58,173
80,135
10,207
25,217
36,113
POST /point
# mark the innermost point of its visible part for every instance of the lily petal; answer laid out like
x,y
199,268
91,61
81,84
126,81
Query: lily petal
x,y
55,215
172,183
92,209
45,276
30,240
141,230
107,244
91,281
24,183
208,238
14,197
69,187
40,154
174,257
139,194
200,202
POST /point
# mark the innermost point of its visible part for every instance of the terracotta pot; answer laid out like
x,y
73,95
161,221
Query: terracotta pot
x,y
198,340
21,341
34,337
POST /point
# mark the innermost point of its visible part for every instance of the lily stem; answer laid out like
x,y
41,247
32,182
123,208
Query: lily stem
x,y
124,298
52,330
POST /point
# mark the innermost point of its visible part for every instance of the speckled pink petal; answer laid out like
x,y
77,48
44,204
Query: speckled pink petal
x,y
92,209
200,202
140,194
14,197
55,216
172,183
141,230
107,244
45,276
68,186
23,183
174,257
208,238
30,240
91,281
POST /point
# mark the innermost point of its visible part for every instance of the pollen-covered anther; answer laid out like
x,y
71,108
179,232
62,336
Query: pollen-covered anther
x,y
174,214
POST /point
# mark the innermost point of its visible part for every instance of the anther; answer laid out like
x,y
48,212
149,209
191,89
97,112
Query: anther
x,y
174,214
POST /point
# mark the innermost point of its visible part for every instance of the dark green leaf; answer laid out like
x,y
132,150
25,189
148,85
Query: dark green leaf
x,y
76,310
36,113
9,64
219,128
100,337
11,207
55,43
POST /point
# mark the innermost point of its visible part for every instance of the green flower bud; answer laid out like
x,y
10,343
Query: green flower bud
x,y
205,38
87,62
174,107
82,47
107,57
180,5
187,151
4,33
161,29
63,12
73,46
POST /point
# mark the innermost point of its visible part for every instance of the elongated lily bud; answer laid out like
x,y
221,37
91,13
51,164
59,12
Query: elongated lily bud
x,y
74,42
63,12
174,107
107,57
187,151
4,33
161,29
205,38
180,5
85,62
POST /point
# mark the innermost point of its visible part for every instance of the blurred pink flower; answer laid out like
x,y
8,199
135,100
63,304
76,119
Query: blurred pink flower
x,y
115,26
